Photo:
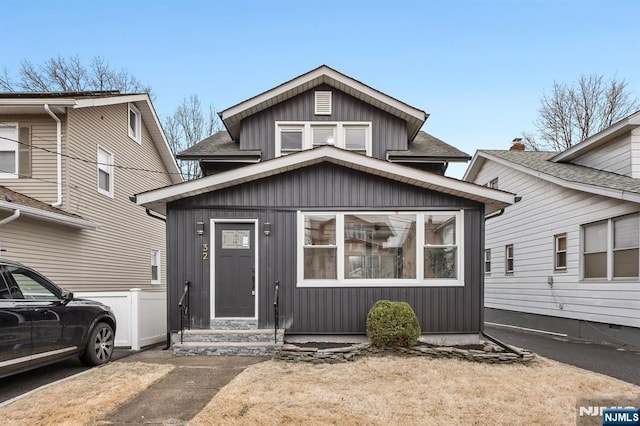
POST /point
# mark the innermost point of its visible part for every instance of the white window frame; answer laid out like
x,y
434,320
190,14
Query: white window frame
x,y
108,168
556,251
419,281
508,271
306,127
11,145
156,256
609,250
487,261
135,135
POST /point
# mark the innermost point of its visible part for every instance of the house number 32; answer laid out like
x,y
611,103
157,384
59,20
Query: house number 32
x,y
205,251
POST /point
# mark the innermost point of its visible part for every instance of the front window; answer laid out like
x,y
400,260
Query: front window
x,y
611,248
380,249
8,150
298,136
105,172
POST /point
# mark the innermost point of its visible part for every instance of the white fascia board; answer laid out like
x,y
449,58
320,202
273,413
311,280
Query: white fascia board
x,y
583,187
155,198
621,127
317,74
49,216
110,100
474,167
39,101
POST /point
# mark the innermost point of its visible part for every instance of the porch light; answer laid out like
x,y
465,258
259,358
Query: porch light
x,y
200,228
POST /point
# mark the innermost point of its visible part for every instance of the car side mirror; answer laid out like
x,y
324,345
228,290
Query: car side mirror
x,y
66,296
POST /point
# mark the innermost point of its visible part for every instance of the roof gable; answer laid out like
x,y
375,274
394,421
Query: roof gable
x,y
621,127
493,199
33,102
231,117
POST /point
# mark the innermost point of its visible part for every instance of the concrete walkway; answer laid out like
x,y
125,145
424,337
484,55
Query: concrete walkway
x,y
181,394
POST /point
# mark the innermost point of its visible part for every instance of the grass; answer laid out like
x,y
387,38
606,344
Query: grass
x,y
86,398
407,390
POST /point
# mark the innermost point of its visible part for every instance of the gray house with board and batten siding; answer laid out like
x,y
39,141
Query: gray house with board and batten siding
x,y
329,189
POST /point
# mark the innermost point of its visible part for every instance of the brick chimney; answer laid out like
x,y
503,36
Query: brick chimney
x,y
517,145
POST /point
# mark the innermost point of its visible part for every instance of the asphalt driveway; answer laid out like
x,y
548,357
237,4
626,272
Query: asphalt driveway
x,y
621,362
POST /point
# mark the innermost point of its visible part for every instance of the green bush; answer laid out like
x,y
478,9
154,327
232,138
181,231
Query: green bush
x,y
392,324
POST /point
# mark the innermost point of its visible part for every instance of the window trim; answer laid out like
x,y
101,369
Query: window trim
x,y
108,168
508,271
156,254
419,281
609,251
16,149
136,136
306,127
487,261
557,251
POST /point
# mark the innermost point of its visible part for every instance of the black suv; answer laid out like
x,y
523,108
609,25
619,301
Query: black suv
x,y
40,323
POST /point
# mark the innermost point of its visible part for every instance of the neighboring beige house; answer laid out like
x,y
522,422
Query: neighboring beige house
x,y
69,163
566,257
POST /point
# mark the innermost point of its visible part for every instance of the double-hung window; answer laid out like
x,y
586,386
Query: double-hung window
x,y
105,172
560,252
155,267
9,150
370,249
487,261
508,259
135,124
298,136
610,248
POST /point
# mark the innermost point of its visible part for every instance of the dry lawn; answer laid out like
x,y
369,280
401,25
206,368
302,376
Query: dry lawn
x,y
84,399
403,391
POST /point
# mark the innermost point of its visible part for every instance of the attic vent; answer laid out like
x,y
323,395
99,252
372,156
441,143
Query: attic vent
x,y
323,103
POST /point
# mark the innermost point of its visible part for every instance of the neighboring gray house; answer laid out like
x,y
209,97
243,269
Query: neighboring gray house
x,y
329,188
566,257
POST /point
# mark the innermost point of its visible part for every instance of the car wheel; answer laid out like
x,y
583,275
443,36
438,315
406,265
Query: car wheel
x,y
99,348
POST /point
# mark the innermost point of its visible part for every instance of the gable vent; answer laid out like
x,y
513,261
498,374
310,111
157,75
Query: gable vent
x,y
323,103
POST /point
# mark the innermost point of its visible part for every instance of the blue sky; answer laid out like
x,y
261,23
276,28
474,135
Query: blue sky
x,y
477,67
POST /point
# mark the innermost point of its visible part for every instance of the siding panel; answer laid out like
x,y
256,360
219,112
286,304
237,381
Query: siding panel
x,y
325,310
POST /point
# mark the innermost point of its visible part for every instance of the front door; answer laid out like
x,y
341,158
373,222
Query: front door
x,y
234,270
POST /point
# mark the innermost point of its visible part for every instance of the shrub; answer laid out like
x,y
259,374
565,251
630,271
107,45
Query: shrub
x,y
392,324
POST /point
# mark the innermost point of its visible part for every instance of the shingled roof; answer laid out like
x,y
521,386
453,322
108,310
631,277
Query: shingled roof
x,y
426,145
570,175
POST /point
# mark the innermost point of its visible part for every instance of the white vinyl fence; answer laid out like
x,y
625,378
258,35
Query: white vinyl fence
x,y
141,315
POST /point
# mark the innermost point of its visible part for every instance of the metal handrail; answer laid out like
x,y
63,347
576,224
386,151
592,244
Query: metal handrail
x,y
184,308
276,312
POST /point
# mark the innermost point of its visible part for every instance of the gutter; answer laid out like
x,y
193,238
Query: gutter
x,y
58,203
14,216
50,216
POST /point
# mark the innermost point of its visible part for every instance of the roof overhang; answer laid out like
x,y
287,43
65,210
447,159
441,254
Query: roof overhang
x,y
620,128
231,117
493,199
34,106
481,157
61,219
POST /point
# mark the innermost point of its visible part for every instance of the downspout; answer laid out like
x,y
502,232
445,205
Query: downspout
x,y
14,216
58,203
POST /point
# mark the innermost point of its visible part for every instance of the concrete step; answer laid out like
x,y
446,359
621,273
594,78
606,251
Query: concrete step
x,y
257,335
225,348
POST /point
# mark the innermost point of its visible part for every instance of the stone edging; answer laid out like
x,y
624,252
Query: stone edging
x,y
491,354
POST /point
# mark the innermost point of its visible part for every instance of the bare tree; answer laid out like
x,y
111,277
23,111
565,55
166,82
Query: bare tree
x,y
58,74
572,113
187,126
